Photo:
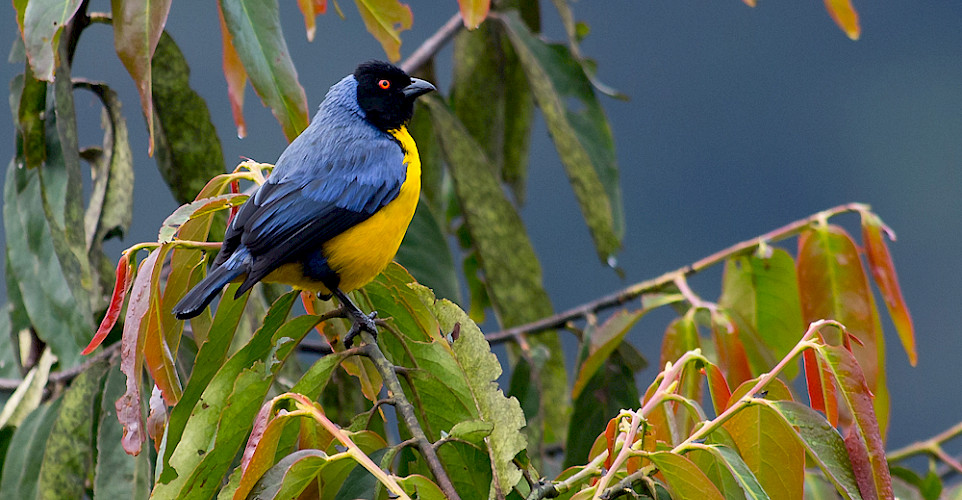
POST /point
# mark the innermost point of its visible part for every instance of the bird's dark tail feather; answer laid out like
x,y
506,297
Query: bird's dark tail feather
x,y
204,292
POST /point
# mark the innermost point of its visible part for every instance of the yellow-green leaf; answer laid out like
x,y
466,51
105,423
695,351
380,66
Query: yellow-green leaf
x,y
386,19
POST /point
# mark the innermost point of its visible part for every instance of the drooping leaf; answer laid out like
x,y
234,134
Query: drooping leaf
x,y
511,269
158,352
883,271
844,15
738,470
211,356
863,439
235,74
768,446
69,451
684,479
311,9
26,398
732,358
822,442
30,118
138,25
611,388
129,411
188,150
481,369
26,451
223,416
194,209
581,135
821,387
41,25
833,285
762,290
386,19
117,474
473,12
255,30
124,278
110,209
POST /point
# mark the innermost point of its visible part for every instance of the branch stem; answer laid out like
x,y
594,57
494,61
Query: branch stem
x,y
432,45
653,285
406,411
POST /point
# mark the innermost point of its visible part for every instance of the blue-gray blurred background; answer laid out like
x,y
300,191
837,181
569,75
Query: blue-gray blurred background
x,y
740,120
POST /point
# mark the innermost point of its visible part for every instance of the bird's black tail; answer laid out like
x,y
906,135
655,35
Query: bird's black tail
x,y
204,292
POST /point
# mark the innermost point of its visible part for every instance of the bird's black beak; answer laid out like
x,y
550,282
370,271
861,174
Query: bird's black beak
x,y
417,87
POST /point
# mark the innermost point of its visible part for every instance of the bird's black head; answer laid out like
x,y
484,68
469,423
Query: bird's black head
x,y
386,93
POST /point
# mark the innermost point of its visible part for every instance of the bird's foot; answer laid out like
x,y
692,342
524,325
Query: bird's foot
x,y
360,322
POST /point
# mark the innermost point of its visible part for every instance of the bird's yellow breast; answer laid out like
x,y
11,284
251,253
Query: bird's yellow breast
x,y
363,251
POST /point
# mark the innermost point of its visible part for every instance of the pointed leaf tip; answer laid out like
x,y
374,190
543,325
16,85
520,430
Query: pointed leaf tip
x,y
473,12
123,279
845,16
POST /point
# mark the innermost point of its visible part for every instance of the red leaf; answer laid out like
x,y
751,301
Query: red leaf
x,y
732,358
473,12
611,433
235,189
845,17
864,439
138,25
311,9
121,285
833,285
158,354
236,76
883,271
815,396
720,392
128,406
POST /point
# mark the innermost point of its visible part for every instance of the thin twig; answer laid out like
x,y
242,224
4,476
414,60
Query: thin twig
x,y
653,285
432,45
931,446
9,384
404,408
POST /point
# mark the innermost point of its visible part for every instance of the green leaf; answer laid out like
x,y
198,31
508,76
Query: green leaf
x,y
762,290
117,474
511,268
26,398
497,116
30,118
26,451
255,29
386,19
610,389
59,317
421,487
821,441
581,134
43,22
738,470
863,440
188,149
601,342
68,454
472,430
291,475
685,479
223,416
769,448
481,368
138,25
834,285
426,255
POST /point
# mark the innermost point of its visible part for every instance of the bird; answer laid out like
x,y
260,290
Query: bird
x,y
337,204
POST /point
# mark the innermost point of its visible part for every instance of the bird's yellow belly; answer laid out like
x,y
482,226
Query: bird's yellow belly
x,y
359,254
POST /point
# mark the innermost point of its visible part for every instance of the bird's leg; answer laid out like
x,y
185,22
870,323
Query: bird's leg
x,y
359,321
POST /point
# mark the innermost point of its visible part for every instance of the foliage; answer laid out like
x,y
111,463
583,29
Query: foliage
x,y
239,407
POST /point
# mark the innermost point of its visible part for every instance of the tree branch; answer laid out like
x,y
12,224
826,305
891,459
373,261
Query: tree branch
x,y
10,384
432,45
406,411
653,285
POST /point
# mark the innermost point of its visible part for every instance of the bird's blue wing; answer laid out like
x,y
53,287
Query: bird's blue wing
x,y
311,198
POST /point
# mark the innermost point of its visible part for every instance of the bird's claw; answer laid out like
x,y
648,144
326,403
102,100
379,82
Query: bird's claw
x,y
360,323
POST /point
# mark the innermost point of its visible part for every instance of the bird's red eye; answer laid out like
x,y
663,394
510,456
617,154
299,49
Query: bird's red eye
x,y
384,84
